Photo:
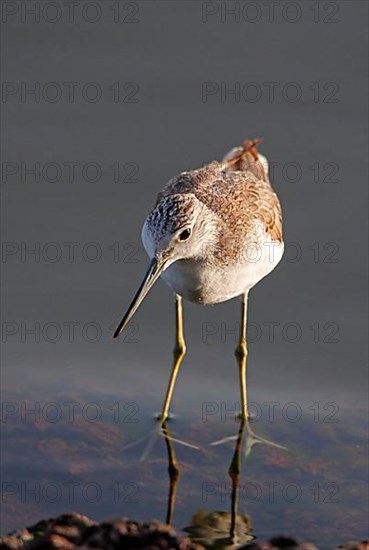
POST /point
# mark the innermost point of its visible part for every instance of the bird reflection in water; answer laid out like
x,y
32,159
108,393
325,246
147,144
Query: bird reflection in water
x,y
218,529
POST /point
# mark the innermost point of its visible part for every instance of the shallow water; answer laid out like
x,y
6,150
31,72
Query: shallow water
x,y
70,455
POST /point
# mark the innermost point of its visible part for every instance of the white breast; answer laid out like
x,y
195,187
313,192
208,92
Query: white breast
x,y
204,283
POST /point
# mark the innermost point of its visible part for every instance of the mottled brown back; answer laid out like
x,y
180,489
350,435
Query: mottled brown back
x,y
226,186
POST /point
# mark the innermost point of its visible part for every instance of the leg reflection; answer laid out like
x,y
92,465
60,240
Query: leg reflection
x,y
220,528
173,471
234,472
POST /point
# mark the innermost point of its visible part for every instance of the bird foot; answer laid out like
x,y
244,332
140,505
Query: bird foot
x,y
251,439
170,417
250,416
152,438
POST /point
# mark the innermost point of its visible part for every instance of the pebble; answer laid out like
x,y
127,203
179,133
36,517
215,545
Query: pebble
x,y
79,532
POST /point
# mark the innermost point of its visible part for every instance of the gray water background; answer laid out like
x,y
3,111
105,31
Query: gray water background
x,y
167,54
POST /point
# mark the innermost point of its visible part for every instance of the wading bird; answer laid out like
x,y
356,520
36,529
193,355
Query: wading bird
x,y
214,232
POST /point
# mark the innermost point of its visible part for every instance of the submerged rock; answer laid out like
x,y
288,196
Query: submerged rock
x,y
75,531
78,532
212,530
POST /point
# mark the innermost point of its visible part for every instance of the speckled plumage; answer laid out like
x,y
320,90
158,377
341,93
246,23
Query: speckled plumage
x,y
171,212
237,193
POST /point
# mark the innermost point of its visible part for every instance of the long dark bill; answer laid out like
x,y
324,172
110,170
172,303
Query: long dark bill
x,y
153,273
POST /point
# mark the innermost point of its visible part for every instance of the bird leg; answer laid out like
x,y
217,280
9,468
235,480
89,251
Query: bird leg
x,y
178,354
241,356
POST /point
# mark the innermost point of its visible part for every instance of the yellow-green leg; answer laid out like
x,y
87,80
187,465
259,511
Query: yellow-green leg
x,y
178,354
241,355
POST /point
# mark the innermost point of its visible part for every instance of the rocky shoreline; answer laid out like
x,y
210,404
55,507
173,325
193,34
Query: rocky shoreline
x,y
78,532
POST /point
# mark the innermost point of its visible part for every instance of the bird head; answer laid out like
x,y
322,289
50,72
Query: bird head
x,y
176,229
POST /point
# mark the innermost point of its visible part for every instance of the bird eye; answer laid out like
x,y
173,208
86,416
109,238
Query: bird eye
x,y
183,236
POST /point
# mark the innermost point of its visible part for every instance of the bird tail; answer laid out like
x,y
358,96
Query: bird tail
x,y
247,159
